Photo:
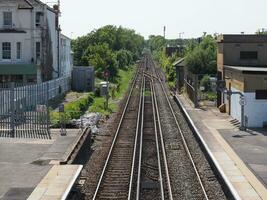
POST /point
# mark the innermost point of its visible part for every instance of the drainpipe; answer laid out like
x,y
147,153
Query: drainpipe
x,y
58,50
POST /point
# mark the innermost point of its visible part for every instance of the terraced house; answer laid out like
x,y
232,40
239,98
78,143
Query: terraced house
x,y
30,42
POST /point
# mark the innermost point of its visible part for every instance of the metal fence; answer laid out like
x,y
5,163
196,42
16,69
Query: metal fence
x,y
24,110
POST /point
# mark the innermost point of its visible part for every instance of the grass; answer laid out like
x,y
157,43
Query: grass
x,y
82,102
73,109
124,77
211,96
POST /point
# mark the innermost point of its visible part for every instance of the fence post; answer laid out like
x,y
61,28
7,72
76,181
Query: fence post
x,y
47,109
195,90
12,108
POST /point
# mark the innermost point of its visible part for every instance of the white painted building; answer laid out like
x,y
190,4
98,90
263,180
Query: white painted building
x,y
66,56
252,83
30,42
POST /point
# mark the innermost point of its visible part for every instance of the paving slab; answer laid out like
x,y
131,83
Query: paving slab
x,y
25,161
57,183
241,155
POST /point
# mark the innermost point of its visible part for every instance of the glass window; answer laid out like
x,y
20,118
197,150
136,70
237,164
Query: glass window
x,y
8,19
38,17
261,94
6,50
38,50
248,55
18,50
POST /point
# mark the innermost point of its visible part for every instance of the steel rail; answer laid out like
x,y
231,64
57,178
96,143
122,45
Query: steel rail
x,y
115,137
183,139
157,146
141,144
163,146
136,140
157,140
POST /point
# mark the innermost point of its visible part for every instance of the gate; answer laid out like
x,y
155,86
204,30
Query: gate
x,y
24,110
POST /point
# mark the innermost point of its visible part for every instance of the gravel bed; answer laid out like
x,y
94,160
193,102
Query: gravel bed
x,y
209,179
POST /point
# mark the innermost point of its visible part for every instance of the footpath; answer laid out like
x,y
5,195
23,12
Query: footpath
x,y
242,155
30,166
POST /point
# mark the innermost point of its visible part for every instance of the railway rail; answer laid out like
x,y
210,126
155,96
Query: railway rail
x,y
154,155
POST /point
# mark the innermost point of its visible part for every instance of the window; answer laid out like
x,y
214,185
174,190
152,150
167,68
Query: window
x,y
38,17
248,55
261,94
6,50
38,50
18,50
7,19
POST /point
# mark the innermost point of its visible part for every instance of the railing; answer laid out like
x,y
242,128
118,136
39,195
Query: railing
x,y
31,93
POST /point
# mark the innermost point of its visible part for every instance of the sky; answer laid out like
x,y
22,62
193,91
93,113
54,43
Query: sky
x,y
148,17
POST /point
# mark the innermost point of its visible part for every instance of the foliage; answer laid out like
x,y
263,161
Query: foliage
x,y
124,58
261,31
201,58
73,110
102,58
110,46
156,43
205,82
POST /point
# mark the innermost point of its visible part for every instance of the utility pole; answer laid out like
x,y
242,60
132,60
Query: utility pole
x,y
106,75
180,35
164,32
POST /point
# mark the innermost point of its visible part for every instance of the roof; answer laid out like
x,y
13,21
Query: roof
x,y
64,36
242,38
18,69
42,3
247,70
22,4
28,4
180,63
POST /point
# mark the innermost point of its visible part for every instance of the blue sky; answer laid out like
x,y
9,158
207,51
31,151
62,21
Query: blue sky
x,y
193,17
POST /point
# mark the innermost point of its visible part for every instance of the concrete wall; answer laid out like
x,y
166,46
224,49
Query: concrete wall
x,y
255,109
231,54
255,82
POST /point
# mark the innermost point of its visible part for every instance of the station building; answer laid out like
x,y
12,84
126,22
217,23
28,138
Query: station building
x,y
242,63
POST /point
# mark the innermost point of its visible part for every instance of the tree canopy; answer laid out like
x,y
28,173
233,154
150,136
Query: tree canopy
x,y
108,47
201,58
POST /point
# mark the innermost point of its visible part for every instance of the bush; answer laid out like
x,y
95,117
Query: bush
x,y
205,82
73,110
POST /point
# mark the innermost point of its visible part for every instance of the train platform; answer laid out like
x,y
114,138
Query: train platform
x,y
57,183
24,162
241,155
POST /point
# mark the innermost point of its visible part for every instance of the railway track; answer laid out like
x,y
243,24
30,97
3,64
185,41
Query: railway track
x,y
151,157
115,178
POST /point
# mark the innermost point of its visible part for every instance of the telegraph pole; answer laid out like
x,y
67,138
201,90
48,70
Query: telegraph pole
x,y
164,32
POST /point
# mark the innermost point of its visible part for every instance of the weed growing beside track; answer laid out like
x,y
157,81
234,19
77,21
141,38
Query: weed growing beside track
x,y
92,102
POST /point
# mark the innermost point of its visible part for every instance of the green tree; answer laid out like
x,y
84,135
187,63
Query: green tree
x,y
124,58
202,58
101,57
108,46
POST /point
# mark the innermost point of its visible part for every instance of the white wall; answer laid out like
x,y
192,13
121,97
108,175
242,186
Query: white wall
x,y
54,39
66,63
22,21
255,110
